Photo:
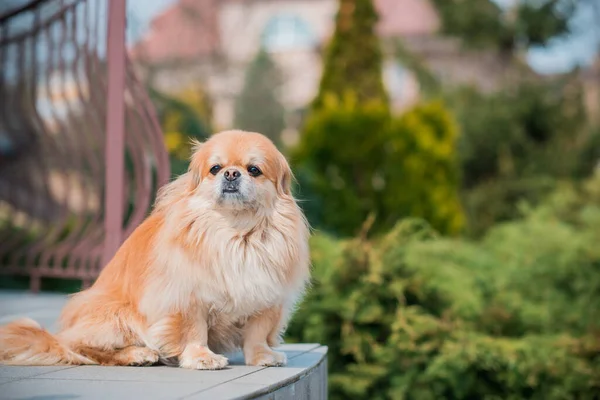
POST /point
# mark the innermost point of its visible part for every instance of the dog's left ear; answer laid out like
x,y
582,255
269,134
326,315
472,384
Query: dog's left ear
x,y
197,163
284,178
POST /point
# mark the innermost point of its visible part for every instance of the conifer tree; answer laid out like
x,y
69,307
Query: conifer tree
x,y
355,159
353,60
257,108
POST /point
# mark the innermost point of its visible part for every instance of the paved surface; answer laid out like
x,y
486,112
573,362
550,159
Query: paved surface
x,y
304,377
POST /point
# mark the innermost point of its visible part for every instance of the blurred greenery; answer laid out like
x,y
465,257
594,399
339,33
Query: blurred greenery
x,y
520,130
409,312
514,143
487,24
258,108
358,160
413,315
183,117
353,57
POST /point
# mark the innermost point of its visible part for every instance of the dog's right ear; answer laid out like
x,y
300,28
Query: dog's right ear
x,y
197,163
196,145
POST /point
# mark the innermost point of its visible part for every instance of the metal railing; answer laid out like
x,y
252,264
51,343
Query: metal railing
x,y
81,151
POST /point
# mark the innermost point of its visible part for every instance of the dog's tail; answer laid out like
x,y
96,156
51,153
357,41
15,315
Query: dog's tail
x,y
25,342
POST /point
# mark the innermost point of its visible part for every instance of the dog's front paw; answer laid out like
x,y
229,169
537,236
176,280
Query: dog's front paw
x,y
139,356
208,361
265,357
201,357
270,359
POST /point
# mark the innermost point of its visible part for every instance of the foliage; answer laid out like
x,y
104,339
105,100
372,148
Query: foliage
x,y
532,128
339,155
198,100
257,108
589,152
353,60
357,160
516,143
484,23
182,117
519,131
501,199
420,170
411,315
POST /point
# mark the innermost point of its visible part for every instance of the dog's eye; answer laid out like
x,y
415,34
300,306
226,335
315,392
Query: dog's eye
x,y
215,169
254,171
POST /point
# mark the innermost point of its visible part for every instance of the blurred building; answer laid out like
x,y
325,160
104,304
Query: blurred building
x,y
212,42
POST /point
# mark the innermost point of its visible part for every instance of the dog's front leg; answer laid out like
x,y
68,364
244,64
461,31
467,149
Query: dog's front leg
x,y
183,338
196,354
257,331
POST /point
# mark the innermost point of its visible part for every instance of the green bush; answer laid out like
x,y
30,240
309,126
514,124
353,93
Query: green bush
x,y
529,129
589,153
412,315
420,169
340,153
356,159
515,144
500,200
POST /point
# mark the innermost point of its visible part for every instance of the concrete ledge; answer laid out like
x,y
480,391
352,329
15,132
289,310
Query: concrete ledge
x,y
305,376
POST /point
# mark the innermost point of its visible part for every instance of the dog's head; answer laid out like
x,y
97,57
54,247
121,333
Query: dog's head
x,y
239,170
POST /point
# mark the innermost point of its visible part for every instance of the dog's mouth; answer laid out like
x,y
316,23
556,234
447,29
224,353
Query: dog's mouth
x,y
230,188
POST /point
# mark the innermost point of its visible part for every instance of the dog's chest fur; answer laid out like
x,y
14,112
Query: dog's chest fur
x,y
246,274
234,273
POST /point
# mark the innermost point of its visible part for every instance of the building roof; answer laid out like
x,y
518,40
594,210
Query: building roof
x,y
398,18
188,29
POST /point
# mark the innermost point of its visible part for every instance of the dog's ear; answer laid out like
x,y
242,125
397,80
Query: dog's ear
x,y
197,163
284,178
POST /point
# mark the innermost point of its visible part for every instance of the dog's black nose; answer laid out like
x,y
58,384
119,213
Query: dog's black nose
x,y
232,174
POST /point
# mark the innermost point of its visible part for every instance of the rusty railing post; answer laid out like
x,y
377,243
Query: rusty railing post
x,y
115,126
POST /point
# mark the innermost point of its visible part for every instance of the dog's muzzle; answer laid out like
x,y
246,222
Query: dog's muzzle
x,y
230,186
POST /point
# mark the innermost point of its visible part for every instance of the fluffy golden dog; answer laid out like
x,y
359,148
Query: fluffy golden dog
x,y
217,266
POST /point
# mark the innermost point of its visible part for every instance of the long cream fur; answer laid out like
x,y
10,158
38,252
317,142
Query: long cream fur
x,y
206,272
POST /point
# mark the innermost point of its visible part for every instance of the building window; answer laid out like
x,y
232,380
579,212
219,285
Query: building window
x,y
395,77
287,32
